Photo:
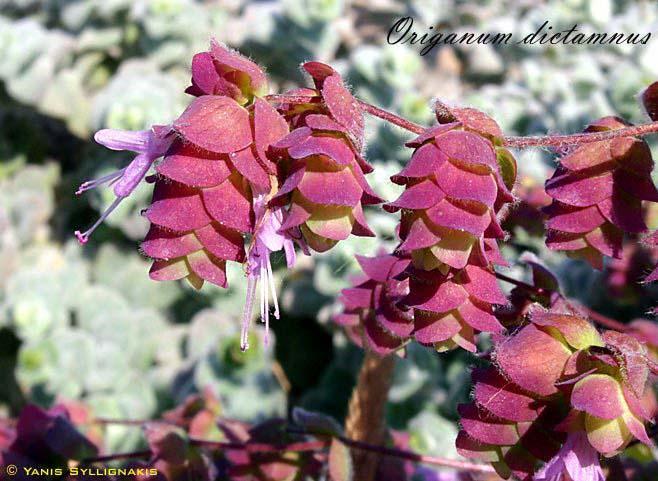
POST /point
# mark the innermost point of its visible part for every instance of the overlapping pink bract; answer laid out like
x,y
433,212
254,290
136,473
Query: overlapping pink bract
x,y
321,170
205,185
556,381
597,194
372,316
454,188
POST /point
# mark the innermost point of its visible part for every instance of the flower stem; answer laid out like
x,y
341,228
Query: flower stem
x,y
261,447
404,454
365,421
392,118
581,138
518,283
519,142
125,422
415,457
389,117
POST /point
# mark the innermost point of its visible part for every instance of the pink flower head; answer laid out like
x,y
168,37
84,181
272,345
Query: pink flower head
x,y
597,194
554,380
453,187
577,460
149,146
203,201
456,181
224,72
371,314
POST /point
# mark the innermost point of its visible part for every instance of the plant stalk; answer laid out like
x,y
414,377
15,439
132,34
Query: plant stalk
x,y
365,421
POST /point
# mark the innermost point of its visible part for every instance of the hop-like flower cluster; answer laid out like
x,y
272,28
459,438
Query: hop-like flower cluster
x,y
371,314
321,170
454,189
597,194
560,393
213,187
203,197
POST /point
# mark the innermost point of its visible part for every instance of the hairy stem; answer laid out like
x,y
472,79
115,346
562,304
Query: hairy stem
x,y
392,118
389,117
519,142
581,138
365,421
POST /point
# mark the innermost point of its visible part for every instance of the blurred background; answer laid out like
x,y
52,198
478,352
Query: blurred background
x,y
86,323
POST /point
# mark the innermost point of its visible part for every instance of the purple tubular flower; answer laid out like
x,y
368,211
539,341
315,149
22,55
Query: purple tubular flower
x,y
148,144
577,460
267,238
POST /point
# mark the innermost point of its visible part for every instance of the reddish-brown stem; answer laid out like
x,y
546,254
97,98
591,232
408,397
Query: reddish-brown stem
x,y
262,448
408,455
366,419
518,283
304,446
582,138
392,118
371,109
519,142
418,458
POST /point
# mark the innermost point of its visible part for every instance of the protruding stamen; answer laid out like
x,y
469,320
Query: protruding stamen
x,y
84,236
92,184
246,315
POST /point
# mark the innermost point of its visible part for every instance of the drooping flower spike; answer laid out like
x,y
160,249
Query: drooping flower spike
x,y
321,170
213,186
597,194
556,384
149,146
449,226
220,181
